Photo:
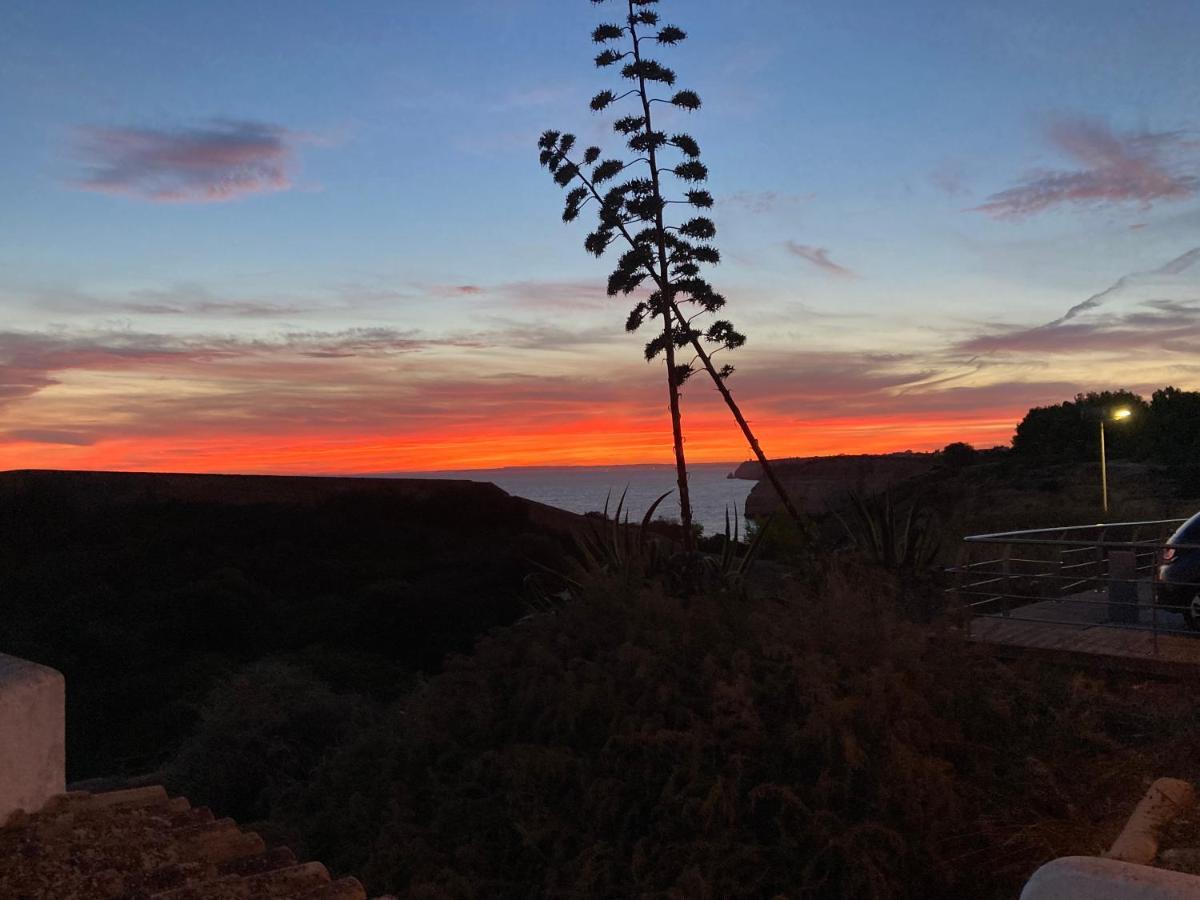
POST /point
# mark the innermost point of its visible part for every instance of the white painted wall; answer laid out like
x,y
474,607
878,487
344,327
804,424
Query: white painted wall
x,y
32,735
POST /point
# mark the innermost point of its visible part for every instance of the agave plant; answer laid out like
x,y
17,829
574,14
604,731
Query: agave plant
x,y
614,547
732,566
901,540
633,555
609,547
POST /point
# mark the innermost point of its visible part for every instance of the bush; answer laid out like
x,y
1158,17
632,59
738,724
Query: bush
x,y
261,733
631,743
644,745
959,455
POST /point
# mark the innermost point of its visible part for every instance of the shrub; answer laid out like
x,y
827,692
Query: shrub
x,y
959,455
261,733
636,744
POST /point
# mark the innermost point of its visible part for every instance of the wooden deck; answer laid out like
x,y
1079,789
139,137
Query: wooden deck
x,y
1078,630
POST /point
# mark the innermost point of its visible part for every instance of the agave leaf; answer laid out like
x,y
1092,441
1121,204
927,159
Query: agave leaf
x,y
727,547
755,547
591,559
557,574
643,532
618,555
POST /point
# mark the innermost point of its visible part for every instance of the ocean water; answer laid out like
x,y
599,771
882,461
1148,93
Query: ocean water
x,y
581,489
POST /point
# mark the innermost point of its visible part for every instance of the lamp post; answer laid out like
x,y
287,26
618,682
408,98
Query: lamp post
x,y
1117,415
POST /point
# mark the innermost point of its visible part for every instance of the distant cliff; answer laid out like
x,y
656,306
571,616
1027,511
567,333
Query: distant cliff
x,y
750,470
815,483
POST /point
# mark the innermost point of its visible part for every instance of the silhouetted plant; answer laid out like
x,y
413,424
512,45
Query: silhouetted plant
x,y
905,541
735,566
642,745
631,199
797,543
614,549
959,455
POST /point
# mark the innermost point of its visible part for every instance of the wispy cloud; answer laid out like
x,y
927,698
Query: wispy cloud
x,y
216,162
1144,319
819,257
1177,266
1165,327
31,361
360,342
1111,167
548,294
532,98
47,436
950,177
764,201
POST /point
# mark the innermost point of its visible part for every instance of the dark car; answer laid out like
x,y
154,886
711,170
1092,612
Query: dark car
x,y
1178,581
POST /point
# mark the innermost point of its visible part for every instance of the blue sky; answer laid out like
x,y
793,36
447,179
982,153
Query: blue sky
x,y
906,194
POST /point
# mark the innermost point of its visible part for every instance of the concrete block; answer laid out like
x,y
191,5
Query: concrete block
x,y
1094,878
32,735
1138,840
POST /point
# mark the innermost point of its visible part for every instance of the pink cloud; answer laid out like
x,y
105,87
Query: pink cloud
x,y
221,161
1132,167
819,257
1163,326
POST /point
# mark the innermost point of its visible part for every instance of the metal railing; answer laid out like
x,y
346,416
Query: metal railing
x,y
1104,575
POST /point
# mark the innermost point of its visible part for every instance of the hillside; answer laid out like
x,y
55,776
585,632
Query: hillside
x,y
156,587
1000,492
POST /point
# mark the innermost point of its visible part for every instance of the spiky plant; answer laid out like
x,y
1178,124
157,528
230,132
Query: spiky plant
x,y
906,541
634,200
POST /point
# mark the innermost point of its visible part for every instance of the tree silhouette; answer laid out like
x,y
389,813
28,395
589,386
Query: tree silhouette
x,y
631,200
1069,431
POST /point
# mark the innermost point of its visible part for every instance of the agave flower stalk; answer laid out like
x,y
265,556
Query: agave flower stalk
x,y
631,198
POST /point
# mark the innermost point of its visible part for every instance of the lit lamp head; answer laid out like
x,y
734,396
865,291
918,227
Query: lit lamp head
x,y
1123,413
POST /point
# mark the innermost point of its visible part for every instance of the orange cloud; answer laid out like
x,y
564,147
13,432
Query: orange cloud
x,y
594,437
377,400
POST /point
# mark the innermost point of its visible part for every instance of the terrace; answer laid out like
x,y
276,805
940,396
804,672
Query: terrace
x,y
1081,593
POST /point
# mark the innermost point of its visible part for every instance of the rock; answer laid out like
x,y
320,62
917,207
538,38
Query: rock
x,y
817,483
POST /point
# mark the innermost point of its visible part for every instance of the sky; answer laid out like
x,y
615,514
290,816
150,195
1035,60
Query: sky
x,y
314,237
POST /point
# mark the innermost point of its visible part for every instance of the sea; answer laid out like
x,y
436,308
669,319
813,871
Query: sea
x,y
581,489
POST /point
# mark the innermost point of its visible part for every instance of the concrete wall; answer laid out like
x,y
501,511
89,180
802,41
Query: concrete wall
x,y
32,734
1093,878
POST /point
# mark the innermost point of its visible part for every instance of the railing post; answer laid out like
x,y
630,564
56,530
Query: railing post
x,y
961,569
1006,569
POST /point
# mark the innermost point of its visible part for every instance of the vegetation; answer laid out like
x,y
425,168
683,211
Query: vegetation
x,y
638,743
145,605
901,540
631,198
1166,430
959,455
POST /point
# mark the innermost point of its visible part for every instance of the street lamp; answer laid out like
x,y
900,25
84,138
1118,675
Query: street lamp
x,y
1117,415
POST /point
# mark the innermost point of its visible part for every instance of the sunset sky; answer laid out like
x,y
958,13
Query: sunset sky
x,y
314,237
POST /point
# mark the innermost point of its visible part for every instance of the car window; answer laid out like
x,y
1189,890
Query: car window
x,y
1189,532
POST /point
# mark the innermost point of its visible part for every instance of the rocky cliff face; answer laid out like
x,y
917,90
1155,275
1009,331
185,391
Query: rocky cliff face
x,y
817,483
750,470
